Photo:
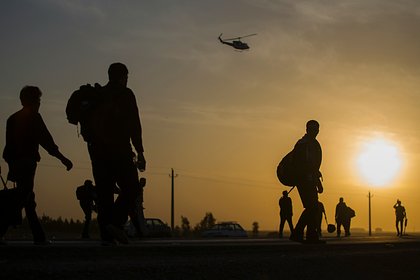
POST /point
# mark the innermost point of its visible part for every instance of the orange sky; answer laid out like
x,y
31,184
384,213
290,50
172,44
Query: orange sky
x,y
221,118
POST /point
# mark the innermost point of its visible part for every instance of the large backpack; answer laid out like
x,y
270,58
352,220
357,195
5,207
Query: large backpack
x,y
351,213
80,107
287,170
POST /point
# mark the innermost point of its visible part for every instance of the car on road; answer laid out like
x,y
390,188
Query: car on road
x,y
225,229
154,227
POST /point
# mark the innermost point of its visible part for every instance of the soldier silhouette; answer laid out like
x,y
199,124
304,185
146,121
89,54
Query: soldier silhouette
x,y
116,130
87,196
286,213
308,157
400,215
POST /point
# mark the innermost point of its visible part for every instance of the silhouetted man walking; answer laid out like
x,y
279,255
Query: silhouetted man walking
x,y
400,215
307,156
116,128
25,132
286,212
87,196
342,217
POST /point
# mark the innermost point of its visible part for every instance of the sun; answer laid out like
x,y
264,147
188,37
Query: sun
x,y
379,162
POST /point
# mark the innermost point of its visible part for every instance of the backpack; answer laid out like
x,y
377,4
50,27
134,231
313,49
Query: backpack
x,y
351,212
80,107
80,193
287,171
83,193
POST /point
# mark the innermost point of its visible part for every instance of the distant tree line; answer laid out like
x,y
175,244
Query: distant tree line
x,y
54,228
62,228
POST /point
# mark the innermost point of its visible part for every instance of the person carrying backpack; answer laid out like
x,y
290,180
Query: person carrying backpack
x,y
307,157
87,196
343,215
115,129
286,213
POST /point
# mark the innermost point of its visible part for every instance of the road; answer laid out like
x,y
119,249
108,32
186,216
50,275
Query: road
x,y
381,257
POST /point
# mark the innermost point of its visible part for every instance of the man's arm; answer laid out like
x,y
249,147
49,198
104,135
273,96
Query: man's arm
x,y
136,131
47,142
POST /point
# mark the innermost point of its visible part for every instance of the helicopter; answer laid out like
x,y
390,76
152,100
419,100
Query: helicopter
x,y
236,42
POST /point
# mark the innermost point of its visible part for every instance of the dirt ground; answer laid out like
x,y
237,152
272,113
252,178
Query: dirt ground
x,y
214,259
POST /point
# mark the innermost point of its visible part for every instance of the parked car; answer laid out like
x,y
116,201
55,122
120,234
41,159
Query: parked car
x,y
225,229
154,228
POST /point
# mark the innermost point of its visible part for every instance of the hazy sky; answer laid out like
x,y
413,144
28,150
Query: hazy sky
x,y
222,118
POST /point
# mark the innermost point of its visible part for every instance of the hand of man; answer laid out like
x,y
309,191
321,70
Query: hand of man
x,y
67,163
141,162
320,187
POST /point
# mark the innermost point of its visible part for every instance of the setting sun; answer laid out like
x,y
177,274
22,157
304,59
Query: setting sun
x,y
379,162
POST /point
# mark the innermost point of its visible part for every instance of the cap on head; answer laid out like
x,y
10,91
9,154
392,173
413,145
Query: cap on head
x,y
30,95
116,71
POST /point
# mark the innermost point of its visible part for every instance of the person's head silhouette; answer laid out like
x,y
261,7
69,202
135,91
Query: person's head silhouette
x,y
30,97
118,72
312,128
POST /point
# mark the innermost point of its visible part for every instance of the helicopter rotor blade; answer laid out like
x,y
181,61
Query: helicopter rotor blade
x,y
238,38
248,35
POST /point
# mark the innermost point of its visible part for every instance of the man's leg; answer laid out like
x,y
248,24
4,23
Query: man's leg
x,y
281,227
347,227
309,196
338,228
103,174
125,174
87,210
36,228
128,181
290,223
299,229
401,227
25,175
311,233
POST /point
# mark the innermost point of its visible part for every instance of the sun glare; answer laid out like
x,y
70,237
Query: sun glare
x,y
379,162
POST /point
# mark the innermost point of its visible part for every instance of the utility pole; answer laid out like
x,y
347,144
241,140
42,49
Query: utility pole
x,y
370,220
172,197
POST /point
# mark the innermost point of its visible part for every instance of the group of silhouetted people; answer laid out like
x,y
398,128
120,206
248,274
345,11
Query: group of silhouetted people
x,y
307,158
115,131
341,217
